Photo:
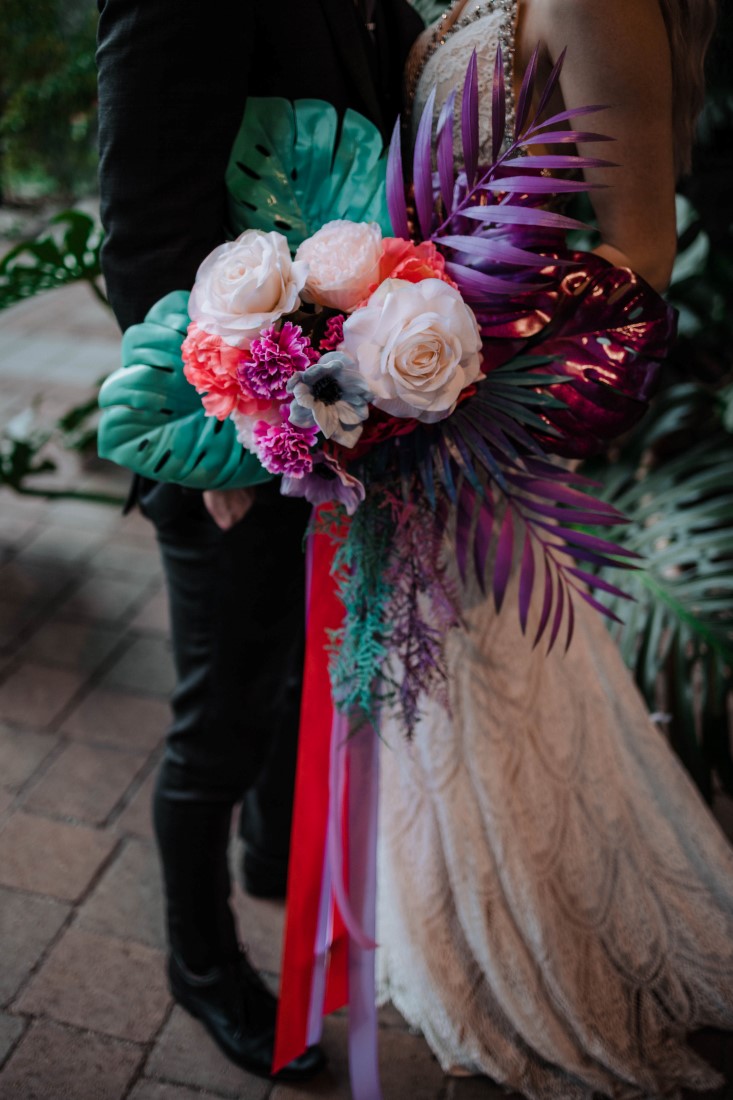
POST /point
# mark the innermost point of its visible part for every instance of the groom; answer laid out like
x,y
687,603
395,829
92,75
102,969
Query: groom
x,y
173,83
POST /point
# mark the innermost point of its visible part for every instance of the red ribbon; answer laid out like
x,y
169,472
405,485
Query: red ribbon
x,y
310,820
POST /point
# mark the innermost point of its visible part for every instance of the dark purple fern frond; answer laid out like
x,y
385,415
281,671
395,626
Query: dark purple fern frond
x,y
498,106
551,84
469,121
444,141
526,93
422,175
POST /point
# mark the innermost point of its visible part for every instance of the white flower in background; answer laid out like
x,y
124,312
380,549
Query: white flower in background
x,y
343,262
245,285
332,395
417,346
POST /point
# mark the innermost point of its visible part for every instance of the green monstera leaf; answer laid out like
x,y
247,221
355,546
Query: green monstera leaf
x,y
293,168
153,420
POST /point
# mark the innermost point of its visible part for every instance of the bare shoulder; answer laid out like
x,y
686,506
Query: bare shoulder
x,y
596,25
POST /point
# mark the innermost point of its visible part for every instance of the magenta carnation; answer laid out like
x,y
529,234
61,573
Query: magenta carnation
x,y
284,449
273,358
334,335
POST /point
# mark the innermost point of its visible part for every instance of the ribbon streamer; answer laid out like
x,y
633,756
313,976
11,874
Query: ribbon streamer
x,y
330,928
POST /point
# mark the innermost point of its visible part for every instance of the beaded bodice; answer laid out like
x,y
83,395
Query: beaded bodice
x,y
441,55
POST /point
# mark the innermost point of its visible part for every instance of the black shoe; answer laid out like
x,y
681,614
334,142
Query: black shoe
x,y
264,876
238,1011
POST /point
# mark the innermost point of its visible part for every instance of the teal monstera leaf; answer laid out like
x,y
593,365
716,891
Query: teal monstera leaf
x,y
292,168
153,420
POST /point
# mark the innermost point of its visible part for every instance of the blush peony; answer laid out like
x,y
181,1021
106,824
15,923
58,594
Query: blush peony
x,y
245,285
417,346
343,262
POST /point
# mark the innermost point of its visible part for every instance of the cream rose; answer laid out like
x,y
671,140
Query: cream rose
x,y
343,262
245,285
417,346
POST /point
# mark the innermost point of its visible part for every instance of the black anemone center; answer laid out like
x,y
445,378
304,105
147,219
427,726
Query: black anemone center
x,y
323,471
327,391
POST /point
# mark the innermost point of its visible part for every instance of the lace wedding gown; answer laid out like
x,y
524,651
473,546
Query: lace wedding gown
x,y
555,901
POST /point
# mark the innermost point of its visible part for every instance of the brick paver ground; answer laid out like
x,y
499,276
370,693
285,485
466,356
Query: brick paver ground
x,y
84,673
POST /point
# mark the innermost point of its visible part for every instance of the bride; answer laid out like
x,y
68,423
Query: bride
x,y
556,902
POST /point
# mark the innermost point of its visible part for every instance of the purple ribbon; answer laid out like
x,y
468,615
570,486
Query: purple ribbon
x,y
358,903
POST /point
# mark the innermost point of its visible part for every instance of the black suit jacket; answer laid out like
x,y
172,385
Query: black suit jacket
x,y
173,81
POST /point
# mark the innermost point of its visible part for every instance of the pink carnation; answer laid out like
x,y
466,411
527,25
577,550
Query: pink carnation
x,y
210,365
334,335
274,358
284,449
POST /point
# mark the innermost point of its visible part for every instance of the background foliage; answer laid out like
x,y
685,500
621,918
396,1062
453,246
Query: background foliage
x,y
48,98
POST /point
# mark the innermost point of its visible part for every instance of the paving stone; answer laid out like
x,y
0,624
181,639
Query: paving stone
x,y
126,558
118,719
101,983
84,782
136,530
261,924
478,1088
407,1067
83,515
69,644
146,1089
35,583
154,615
127,902
146,666
137,817
28,923
60,544
58,1063
14,506
185,1054
105,598
11,1029
50,857
16,531
333,1083
21,753
35,694
15,621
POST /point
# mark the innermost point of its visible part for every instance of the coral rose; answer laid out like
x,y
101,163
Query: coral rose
x,y
210,365
412,262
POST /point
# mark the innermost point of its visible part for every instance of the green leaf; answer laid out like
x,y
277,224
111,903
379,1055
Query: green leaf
x,y
152,418
681,521
68,252
293,169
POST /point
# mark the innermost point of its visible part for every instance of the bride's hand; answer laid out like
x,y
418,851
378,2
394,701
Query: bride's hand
x,y
228,506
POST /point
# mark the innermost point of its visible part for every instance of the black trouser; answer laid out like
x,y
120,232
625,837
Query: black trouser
x,y
237,620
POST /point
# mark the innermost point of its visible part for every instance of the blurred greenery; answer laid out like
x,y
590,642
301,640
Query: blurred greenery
x,y
48,95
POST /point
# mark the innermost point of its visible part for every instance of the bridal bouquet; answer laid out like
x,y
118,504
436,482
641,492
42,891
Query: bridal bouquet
x,y
412,352
390,344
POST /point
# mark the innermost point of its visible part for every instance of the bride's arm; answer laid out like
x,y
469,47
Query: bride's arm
x,y
618,54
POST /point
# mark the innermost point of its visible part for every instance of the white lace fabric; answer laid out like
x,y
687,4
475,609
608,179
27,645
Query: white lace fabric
x,y
555,901
444,68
